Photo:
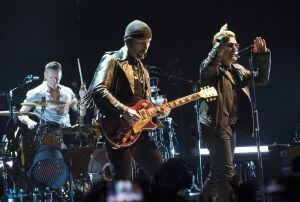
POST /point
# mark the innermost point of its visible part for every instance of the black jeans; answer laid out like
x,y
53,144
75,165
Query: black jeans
x,y
221,149
145,153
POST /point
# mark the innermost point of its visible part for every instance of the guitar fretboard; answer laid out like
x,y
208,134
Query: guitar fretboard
x,y
175,103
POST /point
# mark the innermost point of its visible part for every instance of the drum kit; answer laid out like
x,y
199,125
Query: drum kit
x,y
66,158
61,157
164,135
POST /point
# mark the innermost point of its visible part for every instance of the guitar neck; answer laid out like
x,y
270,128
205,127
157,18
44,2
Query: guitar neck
x,y
175,103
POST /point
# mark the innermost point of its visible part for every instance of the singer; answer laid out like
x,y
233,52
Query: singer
x,y
51,114
232,110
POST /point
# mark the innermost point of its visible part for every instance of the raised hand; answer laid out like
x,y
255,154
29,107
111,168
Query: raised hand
x,y
260,45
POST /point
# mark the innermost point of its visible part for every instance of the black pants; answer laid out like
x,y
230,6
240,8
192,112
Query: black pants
x,y
145,153
218,182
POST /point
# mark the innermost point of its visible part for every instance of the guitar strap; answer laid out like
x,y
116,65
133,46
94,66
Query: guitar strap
x,y
146,79
114,80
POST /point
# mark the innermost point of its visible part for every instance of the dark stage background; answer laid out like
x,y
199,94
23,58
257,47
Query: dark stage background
x,y
33,33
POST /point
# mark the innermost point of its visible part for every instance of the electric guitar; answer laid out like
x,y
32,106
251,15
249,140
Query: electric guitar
x,y
120,134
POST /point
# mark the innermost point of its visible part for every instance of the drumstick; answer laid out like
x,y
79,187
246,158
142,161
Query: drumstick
x,y
80,73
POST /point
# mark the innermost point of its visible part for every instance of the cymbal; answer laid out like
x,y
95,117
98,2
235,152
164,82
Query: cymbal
x,y
154,89
86,128
47,103
17,113
158,100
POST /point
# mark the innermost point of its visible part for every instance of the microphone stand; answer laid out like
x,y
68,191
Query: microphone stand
x,y
256,129
199,177
12,144
200,168
9,97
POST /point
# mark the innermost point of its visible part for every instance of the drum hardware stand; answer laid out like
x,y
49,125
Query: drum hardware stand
x,y
39,132
71,191
168,148
162,147
172,137
3,171
12,140
159,71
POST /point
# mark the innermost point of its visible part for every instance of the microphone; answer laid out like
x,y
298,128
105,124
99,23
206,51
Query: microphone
x,y
244,51
30,78
151,66
34,77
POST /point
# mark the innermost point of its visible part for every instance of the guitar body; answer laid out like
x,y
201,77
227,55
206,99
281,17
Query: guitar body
x,y
120,134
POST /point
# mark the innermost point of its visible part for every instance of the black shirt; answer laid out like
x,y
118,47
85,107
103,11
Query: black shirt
x,y
139,81
231,93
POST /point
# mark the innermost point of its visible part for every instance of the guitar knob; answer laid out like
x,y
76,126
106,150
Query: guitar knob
x,y
131,137
123,139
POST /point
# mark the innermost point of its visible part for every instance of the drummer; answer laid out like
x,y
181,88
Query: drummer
x,y
51,101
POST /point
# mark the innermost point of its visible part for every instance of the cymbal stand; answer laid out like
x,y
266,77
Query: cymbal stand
x,y
39,132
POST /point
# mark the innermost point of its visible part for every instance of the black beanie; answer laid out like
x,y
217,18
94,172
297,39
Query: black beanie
x,y
137,29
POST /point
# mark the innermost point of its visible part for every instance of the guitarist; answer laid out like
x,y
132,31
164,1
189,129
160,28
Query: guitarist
x,y
119,82
232,109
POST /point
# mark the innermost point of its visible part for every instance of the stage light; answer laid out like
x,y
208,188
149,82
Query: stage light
x,y
49,168
241,150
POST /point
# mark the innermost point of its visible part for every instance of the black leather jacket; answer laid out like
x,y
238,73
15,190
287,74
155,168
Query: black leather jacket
x,y
212,74
112,87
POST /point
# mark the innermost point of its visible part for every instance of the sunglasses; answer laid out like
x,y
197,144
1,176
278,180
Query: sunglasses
x,y
231,45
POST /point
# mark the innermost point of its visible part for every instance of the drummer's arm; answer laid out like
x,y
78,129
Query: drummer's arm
x,y
75,105
25,119
81,112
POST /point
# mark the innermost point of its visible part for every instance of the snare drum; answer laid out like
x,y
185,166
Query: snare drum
x,y
49,135
52,139
79,139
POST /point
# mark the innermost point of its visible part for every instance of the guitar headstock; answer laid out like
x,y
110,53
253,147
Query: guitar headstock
x,y
208,93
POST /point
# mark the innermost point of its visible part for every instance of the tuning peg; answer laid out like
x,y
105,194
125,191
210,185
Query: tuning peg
x,y
210,99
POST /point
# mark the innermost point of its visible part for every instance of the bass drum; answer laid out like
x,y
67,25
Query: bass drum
x,y
99,166
27,149
29,144
88,161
